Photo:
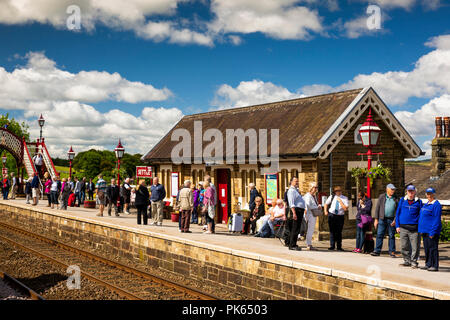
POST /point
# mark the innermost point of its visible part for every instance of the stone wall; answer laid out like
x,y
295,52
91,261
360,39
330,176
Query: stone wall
x,y
253,276
440,156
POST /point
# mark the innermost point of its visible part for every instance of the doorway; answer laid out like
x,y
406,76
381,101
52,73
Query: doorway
x,y
223,198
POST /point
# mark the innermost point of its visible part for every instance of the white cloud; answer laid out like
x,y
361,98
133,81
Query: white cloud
x,y
421,121
390,4
133,15
41,82
84,127
250,93
279,19
429,78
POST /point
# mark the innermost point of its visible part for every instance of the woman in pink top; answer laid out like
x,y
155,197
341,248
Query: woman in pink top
x,y
208,201
47,187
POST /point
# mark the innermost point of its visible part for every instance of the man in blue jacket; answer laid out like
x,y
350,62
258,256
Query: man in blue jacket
x,y
430,226
406,222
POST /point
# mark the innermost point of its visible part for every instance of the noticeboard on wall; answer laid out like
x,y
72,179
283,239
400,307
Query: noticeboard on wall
x,y
271,180
175,182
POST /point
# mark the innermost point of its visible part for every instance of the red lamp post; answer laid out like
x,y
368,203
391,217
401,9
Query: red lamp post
x,y
370,135
4,169
71,155
119,150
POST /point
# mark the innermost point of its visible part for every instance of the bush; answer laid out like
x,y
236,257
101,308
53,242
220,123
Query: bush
x,y
445,233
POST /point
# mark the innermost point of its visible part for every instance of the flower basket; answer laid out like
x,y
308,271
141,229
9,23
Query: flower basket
x,y
89,204
175,216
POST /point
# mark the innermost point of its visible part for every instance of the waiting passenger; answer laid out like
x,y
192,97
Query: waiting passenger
x,y
364,208
430,226
258,212
312,211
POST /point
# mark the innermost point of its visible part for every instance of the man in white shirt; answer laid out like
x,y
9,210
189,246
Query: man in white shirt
x,y
38,162
297,208
335,208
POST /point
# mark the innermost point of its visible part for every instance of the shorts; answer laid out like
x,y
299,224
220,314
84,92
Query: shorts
x,y
126,199
101,198
35,192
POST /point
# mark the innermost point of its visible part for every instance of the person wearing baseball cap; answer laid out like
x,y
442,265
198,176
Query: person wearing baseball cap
x,y
430,226
384,220
406,223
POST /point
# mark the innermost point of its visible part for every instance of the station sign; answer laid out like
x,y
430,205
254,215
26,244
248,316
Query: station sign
x,y
144,172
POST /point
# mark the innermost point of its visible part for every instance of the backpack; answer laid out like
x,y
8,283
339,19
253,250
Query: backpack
x,y
66,187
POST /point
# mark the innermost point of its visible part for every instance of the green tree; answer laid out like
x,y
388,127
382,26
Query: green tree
x,y
20,130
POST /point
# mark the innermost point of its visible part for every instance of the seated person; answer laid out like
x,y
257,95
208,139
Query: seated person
x,y
258,212
278,215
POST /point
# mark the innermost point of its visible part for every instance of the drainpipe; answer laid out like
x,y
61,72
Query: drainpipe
x,y
331,172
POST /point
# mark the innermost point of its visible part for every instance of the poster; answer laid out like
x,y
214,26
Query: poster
x,y
175,181
144,172
271,187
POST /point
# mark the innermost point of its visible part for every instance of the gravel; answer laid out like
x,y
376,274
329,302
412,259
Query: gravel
x,y
8,293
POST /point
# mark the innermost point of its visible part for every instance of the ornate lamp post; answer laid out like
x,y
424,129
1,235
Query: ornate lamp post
x,y
41,122
4,159
71,155
119,150
370,136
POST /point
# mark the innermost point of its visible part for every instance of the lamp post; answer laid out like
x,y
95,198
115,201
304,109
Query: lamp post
x,y
41,122
71,155
4,159
370,136
119,150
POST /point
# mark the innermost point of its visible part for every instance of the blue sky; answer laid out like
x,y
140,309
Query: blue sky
x,y
179,57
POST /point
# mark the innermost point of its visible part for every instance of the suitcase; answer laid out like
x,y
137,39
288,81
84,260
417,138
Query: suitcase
x,y
237,223
71,201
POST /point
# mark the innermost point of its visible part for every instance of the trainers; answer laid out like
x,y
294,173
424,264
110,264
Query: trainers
x,y
414,265
433,269
392,255
99,215
154,223
405,264
375,254
295,248
355,250
159,224
425,268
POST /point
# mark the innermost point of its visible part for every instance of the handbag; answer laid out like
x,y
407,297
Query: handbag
x,y
316,212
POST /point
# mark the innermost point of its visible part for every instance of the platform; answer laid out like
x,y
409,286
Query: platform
x,y
338,274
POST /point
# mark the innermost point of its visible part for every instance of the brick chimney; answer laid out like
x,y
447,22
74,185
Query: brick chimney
x,y
446,132
438,127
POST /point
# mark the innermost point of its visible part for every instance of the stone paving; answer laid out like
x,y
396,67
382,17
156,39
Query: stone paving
x,y
383,270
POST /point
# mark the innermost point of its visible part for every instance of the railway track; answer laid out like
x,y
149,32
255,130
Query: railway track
x,y
20,287
126,281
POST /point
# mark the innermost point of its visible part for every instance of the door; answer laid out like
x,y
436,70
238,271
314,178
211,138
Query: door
x,y
223,178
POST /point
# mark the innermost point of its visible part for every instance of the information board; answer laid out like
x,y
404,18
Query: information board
x,y
271,187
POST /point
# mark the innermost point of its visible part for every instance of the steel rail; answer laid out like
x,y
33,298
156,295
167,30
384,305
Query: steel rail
x,y
87,275
19,286
166,283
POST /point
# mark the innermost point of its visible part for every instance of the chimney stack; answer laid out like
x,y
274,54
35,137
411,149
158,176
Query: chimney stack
x,y
438,127
446,132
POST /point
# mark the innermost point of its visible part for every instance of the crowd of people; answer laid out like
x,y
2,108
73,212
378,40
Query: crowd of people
x,y
408,216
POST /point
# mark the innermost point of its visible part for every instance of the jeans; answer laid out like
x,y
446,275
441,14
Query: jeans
x,y
336,224
77,197
82,196
431,250
410,241
384,224
359,237
272,223
54,197
194,216
5,193
113,203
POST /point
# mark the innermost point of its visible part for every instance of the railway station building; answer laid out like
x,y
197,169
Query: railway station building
x,y
318,141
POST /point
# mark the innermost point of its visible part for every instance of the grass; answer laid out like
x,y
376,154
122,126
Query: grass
x,y
425,163
63,171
